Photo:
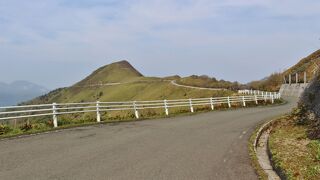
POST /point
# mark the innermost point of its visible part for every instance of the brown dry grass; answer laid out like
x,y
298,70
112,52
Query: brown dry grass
x,y
292,151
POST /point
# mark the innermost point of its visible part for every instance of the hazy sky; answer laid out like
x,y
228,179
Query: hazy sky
x,y
58,42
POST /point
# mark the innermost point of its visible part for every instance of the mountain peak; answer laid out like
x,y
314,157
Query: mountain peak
x,y
116,72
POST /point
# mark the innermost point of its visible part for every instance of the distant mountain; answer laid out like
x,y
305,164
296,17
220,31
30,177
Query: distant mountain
x,y
19,91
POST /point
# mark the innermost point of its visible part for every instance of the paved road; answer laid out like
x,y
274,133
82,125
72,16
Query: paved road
x,y
204,146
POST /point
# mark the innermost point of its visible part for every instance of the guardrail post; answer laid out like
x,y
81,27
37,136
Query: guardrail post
x,y
244,101
98,112
229,103
166,107
256,99
136,113
211,102
289,79
191,106
305,77
54,113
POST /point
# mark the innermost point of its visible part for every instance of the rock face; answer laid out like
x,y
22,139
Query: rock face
x,y
311,96
309,106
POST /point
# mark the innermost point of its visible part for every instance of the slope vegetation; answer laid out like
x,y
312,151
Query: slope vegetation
x,y
113,73
120,81
207,82
309,64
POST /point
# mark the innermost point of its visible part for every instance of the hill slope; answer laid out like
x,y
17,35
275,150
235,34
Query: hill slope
x,y
120,81
273,82
308,64
112,73
208,82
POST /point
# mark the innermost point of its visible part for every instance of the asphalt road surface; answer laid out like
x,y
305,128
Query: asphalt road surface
x,y
204,146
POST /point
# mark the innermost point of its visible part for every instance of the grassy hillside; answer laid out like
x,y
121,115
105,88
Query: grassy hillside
x,y
113,73
207,82
273,82
129,85
141,90
133,86
308,64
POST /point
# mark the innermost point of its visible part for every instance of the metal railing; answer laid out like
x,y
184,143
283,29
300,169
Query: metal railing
x,y
56,109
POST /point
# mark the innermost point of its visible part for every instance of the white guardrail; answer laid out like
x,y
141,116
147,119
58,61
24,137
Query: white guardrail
x,y
55,109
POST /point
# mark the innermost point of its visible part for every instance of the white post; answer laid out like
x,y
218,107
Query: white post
x,y
265,97
135,110
272,99
166,107
211,102
256,99
289,79
54,113
305,77
191,106
98,112
229,103
244,101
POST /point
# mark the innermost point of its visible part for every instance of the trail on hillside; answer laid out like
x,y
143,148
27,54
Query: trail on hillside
x,y
194,87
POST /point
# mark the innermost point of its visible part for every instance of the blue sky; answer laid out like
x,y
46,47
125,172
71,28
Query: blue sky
x,y
58,42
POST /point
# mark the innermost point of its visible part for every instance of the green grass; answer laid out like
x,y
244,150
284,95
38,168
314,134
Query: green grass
x,y
116,72
207,82
134,87
141,90
297,156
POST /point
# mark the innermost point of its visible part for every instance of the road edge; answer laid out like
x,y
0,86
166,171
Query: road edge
x,y
253,144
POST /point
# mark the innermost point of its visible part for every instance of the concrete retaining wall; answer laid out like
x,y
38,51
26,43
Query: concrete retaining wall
x,y
293,90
